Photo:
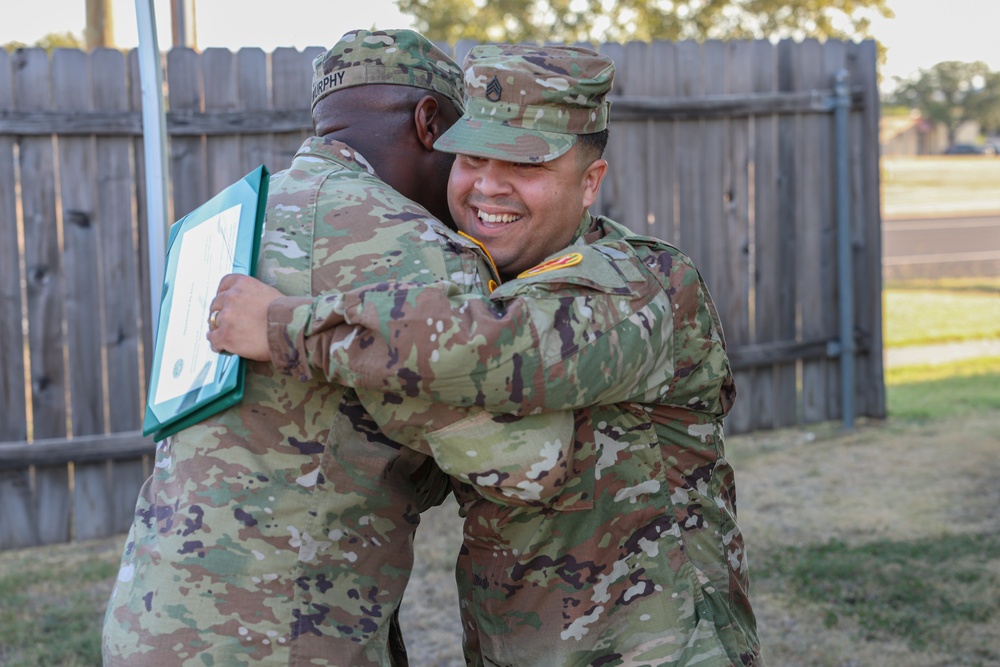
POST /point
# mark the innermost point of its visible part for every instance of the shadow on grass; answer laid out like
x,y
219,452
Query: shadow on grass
x,y
915,591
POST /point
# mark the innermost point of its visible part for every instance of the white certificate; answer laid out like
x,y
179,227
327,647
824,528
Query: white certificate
x,y
206,255
189,383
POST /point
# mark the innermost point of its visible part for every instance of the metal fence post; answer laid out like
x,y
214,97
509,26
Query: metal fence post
x,y
154,127
845,263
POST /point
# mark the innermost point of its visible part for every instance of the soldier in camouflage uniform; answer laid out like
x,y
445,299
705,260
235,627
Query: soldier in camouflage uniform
x,y
615,543
279,532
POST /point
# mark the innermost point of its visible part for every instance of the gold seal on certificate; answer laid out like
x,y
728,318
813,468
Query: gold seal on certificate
x,y
188,381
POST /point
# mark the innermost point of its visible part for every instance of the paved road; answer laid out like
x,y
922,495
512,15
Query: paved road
x,y
941,241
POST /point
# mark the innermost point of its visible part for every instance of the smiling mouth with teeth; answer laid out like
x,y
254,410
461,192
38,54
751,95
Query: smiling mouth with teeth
x,y
492,218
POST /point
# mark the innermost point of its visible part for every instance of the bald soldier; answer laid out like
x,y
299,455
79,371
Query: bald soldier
x,y
280,531
618,544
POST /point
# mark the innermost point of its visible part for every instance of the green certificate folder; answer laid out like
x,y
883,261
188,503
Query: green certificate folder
x,y
188,382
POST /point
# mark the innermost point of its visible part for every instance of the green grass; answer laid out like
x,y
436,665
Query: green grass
x,y
51,610
924,393
924,312
910,590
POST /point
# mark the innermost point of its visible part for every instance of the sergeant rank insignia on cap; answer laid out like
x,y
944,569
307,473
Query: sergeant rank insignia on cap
x,y
552,264
493,90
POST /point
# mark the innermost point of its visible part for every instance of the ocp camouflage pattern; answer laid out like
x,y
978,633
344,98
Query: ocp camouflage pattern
x,y
280,531
394,57
527,103
611,537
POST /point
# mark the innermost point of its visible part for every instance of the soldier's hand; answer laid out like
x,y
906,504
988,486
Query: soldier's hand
x,y
237,323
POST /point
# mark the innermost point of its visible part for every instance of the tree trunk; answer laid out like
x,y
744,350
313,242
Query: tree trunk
x,y
182,23
99,32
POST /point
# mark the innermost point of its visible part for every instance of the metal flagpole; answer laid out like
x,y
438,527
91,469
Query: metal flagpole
x,y
154,133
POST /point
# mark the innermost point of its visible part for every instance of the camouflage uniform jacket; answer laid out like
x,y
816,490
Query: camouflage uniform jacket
x,y
280,531
618,544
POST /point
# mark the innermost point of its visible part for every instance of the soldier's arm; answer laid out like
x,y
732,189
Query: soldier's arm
x,y
509,459
601,333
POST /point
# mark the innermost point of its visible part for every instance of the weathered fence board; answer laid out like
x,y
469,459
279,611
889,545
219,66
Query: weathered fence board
x,y
291,87
786,410
866,234
812,225
45,298
77,177
762,388
222,153
661,137
19,518
93,512
737,197
188,168
119,254
126,329
42,253
251,70
726,225
141,223
759,388
688,157
723,149
19,522
13,415
99,509
626,188
78,192
716,240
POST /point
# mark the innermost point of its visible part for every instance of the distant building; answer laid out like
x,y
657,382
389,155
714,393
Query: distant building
x,y
911,135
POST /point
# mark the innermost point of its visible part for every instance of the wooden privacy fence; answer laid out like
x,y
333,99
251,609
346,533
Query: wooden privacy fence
x,y
726,149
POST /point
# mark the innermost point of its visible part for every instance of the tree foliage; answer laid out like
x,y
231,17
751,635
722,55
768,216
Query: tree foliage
x,y
984,104
60,40
598,21
52,40
952,93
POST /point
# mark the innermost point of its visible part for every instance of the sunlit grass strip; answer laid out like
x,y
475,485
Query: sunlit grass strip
x,y
929,316
969,284
923,393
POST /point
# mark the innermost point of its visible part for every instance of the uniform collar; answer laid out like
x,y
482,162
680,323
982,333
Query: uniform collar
x,y
589,230
328,148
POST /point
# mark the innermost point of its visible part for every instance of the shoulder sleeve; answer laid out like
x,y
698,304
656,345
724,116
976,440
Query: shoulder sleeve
x,y
599,331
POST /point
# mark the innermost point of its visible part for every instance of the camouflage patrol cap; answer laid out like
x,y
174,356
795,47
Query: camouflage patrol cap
x,y
401,57
528,103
